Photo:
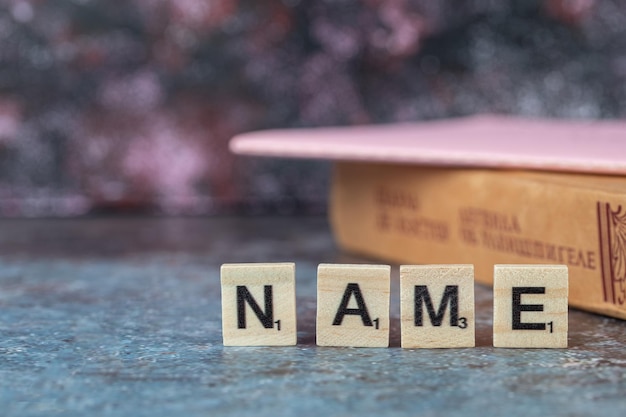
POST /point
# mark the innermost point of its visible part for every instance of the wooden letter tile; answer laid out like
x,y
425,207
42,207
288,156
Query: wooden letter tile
x,y
530,306
353,305
259,304
437,306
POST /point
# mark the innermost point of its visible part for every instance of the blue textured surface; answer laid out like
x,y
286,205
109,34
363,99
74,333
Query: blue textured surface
x,y
122,317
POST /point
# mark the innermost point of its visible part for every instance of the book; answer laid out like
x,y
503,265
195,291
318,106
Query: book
x,y
411,214
482,190
477,141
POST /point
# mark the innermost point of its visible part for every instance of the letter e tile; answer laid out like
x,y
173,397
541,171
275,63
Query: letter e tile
x,y
259,304
353,305
530,306
437,306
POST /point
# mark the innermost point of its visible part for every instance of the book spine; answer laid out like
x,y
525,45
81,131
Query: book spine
x,y
409,214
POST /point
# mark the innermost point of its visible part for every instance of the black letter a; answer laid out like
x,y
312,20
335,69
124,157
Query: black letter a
x,y
243,295
360,311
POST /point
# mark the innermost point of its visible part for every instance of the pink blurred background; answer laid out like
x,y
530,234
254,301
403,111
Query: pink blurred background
x,y
111,106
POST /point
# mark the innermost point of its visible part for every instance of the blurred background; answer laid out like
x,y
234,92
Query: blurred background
x,y
110,106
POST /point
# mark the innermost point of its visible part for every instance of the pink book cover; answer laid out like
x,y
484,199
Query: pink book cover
x,y
477,141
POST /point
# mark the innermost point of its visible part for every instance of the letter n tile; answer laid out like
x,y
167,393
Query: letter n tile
x,y
258,304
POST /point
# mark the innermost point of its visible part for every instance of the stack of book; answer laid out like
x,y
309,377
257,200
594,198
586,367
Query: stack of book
x,y
482,190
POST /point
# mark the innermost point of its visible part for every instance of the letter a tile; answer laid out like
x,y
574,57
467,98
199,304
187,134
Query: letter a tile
x,y
259,304
530,306
353,305
437,306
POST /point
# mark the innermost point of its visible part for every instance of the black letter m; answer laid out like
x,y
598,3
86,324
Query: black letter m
x,y
450,295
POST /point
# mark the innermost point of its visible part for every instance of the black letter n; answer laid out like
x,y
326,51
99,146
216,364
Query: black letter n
x,y
450,295
244,296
